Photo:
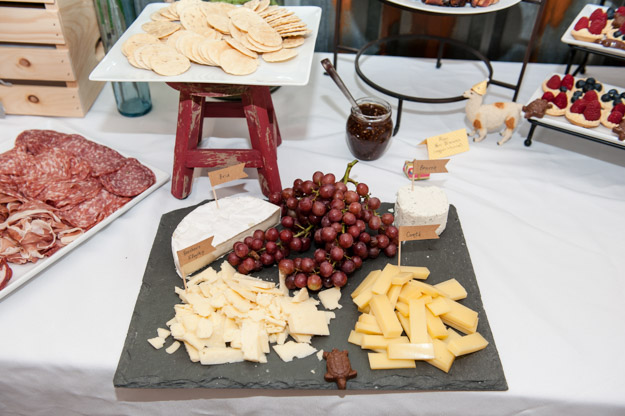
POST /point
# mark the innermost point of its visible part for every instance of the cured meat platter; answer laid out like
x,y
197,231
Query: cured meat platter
x,y
22,273
142,366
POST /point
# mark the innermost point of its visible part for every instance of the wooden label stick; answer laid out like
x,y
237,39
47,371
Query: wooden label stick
x,y
190,254
415,232
414,167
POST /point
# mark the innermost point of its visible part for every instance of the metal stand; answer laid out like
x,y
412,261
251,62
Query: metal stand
x,y
515,87
534,123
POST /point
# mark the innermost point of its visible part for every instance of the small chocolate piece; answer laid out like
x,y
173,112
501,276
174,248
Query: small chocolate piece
x,y
618,21
620,131
339,368
611,43
536,108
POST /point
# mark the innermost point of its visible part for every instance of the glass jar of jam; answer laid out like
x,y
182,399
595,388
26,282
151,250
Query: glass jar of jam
x,y
369,133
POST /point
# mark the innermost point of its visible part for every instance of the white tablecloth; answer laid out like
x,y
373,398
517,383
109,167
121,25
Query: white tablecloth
x,y
544,226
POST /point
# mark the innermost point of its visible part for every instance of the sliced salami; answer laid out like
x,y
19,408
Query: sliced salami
x,y
87,214
130,180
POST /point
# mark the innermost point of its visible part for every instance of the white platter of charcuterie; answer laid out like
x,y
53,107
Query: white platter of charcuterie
x,y
56,191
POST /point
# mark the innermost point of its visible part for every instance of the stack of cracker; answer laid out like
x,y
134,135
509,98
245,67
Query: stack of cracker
x,y
215,34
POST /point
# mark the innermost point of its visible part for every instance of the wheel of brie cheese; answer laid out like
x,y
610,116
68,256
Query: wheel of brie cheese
x,y
425,205
234,219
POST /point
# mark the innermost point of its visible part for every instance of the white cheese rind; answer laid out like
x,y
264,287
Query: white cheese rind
x,y
425,205
235,219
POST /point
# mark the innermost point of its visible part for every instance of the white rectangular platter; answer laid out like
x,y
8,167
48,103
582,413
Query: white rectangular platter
x,y
600,132
22,273
570,40
295,72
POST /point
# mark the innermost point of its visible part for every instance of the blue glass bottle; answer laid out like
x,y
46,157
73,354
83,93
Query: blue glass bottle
x,y
114,16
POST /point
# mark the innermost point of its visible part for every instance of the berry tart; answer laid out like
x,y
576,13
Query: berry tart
x,y
585,111
617,34
560,102
556,85
613,117
592,28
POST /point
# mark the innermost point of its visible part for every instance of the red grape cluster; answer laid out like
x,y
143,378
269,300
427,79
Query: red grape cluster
x,y
343,223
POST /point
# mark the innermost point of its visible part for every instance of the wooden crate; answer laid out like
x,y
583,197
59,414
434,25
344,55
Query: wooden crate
x,y
48,48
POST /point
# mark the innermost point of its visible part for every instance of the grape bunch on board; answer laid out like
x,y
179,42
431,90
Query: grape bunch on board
x,y
343,224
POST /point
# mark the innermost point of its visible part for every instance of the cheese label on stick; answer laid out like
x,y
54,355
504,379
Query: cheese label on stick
x,y
191,254
447,144
418,232
425,167
231,173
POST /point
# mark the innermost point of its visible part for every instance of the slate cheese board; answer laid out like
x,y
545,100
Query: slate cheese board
x,y
142,366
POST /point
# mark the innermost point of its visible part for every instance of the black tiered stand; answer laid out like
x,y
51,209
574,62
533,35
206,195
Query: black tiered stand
x,y
442,41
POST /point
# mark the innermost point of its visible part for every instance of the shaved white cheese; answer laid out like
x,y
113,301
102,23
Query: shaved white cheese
x,y
162,332
157,342
173,347
330,298
291,350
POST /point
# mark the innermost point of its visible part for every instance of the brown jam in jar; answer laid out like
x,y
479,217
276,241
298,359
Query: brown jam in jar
x,y
369,133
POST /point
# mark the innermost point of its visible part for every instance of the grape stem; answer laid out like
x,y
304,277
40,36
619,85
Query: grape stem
x,y
348,170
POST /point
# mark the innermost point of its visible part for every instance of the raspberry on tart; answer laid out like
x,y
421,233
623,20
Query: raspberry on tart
x,y
568,82
548,96
578,106
611,119
598,14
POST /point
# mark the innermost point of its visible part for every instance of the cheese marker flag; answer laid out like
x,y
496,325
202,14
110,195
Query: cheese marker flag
x,y
415,232
190,254
231,173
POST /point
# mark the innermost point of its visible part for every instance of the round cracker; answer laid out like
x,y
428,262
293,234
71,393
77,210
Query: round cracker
x,y
216,49
252,4
136,54
251,44
235,63
299,33
192,18
157,16
219,22
234,31
203,51
243,18
293,42
137,40
239,46
264,34
262,6
280,56
170,63
171,39
160,29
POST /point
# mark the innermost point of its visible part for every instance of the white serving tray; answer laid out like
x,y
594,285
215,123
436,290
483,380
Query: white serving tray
x,y
600,132
570,40
22,273
419,5
115,66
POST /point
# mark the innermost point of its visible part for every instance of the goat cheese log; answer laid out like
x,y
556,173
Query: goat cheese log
x,y
425,205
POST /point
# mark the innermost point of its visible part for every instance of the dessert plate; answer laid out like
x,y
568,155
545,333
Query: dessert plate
x,y
295,72
22,273
600,132
570,40
420,6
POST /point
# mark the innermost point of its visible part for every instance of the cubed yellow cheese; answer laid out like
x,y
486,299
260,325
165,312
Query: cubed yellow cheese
x,y
417,271
380,361
426,298
427,288
452,289
460,317
401,278
410,351
467,344
366,283
383,282
436,327
363,298
393,294
438,306
373,342
402,308
443,359
418,325
385,315
451,335
364,328
404,321
367,318
355,337
409,291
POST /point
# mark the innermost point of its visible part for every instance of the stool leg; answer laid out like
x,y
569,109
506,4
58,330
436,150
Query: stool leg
x,y
262,126
188,135
273,121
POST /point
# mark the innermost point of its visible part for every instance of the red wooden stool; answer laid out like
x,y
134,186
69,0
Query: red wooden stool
x,y
255,105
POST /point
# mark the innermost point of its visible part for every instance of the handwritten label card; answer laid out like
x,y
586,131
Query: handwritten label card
x,y
418,232
231,173
447,144
425,167
190,254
